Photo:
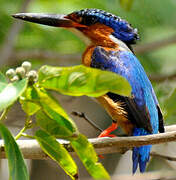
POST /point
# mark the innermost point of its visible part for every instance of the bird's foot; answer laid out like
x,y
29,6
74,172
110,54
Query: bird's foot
x,y
106,132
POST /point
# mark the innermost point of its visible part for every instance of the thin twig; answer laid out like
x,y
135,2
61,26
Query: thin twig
x,y
21,132
152,46
161,78
4,113
163,156
32,150
52,56
82,115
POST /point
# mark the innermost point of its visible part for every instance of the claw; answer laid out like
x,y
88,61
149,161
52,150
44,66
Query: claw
x,y
106,132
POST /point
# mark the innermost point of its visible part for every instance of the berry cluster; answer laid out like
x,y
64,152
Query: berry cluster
x,y
24,71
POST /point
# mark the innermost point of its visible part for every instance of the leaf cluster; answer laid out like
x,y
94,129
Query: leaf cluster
x,y
51,119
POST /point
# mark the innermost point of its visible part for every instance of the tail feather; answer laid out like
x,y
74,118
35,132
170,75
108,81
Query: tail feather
x,y
135,158
141,155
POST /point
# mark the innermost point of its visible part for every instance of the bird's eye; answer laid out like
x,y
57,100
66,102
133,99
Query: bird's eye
x,y
79,19
89,20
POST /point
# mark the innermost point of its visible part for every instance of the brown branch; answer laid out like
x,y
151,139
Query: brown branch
x,y
82,115
161,78
49,57
149,47
32,150
54,58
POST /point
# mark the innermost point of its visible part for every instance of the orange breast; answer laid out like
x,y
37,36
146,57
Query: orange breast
x,y
86,59
117,112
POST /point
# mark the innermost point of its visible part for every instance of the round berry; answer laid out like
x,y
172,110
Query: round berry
x,y
10,73
26,65
20,71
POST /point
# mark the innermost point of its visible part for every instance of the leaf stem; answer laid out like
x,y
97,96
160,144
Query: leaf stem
x,y
21,132
28,125
4,113
27,135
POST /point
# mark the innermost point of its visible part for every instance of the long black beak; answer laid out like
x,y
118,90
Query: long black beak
x,y
56,20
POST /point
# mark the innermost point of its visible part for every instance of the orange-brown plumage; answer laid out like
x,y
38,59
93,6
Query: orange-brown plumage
x,y
117,112
99,35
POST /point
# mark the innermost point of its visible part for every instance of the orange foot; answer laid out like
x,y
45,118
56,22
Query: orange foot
x,y
106,133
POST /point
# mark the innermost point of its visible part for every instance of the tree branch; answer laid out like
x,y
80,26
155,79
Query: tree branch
x,y
161,78
56,59
149,47
32,150
53,57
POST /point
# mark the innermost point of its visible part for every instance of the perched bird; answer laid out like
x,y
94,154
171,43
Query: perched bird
x,y
109,41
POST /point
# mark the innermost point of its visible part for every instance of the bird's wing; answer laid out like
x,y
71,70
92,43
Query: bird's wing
x,y
142,107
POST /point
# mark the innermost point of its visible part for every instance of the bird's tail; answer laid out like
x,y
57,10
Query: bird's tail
x,y
141,155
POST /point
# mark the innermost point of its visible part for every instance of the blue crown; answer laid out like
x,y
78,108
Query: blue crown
x,y
122,29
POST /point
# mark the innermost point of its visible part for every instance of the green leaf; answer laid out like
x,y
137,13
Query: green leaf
x,y
3,78
126,4
52,126
27,100
81,80
3,82
10,93
17,167
88,156
55,112
57,152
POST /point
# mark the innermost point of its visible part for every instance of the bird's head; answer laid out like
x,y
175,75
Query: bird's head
x,y
100,27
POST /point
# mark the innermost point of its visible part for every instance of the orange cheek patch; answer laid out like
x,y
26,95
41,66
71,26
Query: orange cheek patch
x,y
99,34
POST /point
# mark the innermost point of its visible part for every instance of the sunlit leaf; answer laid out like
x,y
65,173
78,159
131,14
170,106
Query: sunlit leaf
x,y
57,152
126,4
29,106
11,92
3,82
81,80
55,112
17,167
88,156
52,126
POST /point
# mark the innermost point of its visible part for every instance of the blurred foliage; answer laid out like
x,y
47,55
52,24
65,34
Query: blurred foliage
x,y
126,4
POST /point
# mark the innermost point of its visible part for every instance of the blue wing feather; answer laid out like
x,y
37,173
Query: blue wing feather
x,y
127,65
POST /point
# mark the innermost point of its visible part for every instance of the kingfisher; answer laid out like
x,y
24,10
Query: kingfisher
x,y
109,47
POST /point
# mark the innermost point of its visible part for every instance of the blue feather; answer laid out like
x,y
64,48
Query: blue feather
x,y
122,29
127,65
141,155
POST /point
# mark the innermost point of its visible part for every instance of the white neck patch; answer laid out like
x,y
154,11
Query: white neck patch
x,y
121,44
78,33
